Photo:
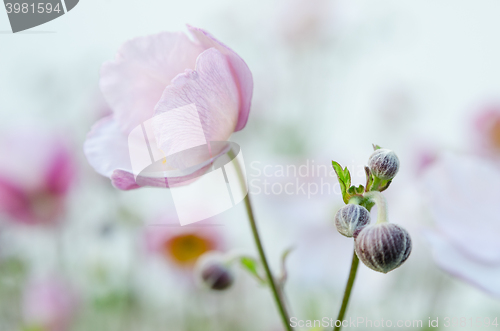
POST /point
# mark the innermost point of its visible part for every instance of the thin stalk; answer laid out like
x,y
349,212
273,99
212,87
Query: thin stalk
x,y
379,199
381,203
347,292
278,298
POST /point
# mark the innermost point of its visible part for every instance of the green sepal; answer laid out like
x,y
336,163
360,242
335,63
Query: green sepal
x,y
344,177
385,185
369,179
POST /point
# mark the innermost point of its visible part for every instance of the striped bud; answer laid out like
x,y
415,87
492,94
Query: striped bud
x,y
213,272
383,247
384,164
351,218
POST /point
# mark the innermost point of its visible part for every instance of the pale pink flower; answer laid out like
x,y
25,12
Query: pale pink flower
x,y
306,22
487,131
36,170
182,246
463,197
49,304
155,74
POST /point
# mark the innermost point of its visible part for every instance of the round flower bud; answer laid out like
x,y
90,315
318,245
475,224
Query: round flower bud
x,y
213,273
384,164
351,218
383,247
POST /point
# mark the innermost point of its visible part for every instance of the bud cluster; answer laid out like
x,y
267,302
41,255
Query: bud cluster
x,y
381,246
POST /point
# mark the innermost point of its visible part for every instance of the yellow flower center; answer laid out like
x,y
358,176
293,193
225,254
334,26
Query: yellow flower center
x,y
495,134
185,249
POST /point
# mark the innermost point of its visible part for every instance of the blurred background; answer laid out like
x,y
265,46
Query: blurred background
x,y
331,77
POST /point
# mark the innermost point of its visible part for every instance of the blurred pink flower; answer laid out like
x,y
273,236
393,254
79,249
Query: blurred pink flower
x,y
36,170
155,74
305,22
182,246
463,197
49,305
487,131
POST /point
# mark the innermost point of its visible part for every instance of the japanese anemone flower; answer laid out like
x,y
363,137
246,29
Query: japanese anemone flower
x,y
169,74
487,131
463,197
36,172
182,247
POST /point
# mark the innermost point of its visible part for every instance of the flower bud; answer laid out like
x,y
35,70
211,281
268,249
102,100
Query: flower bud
x,y
213,273
383,247
351,218
384,164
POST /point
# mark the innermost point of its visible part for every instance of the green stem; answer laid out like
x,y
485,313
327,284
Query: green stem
x,y
377,196
347,292
381,203
278,298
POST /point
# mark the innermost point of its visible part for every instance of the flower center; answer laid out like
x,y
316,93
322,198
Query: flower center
x,y
495,134
187,248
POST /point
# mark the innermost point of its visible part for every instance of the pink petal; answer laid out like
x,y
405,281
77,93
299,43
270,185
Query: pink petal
x,y
60,172
36,171
454,261
133,83
106,147
212,89
464,205
239,69
14,202
124,180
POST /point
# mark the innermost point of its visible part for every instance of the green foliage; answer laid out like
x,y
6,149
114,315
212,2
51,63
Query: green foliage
x,y
344,177
33,328
251,265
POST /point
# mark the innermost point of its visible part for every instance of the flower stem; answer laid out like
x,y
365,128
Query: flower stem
x,y
381,203
378,198
270,278
347,292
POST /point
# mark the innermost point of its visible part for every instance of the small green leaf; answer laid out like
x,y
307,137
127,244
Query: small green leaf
x,y
284,273
344,177
352,190
252,265
360,189
375,147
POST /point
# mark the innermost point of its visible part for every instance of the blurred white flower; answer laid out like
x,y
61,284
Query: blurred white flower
x,y
463,198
